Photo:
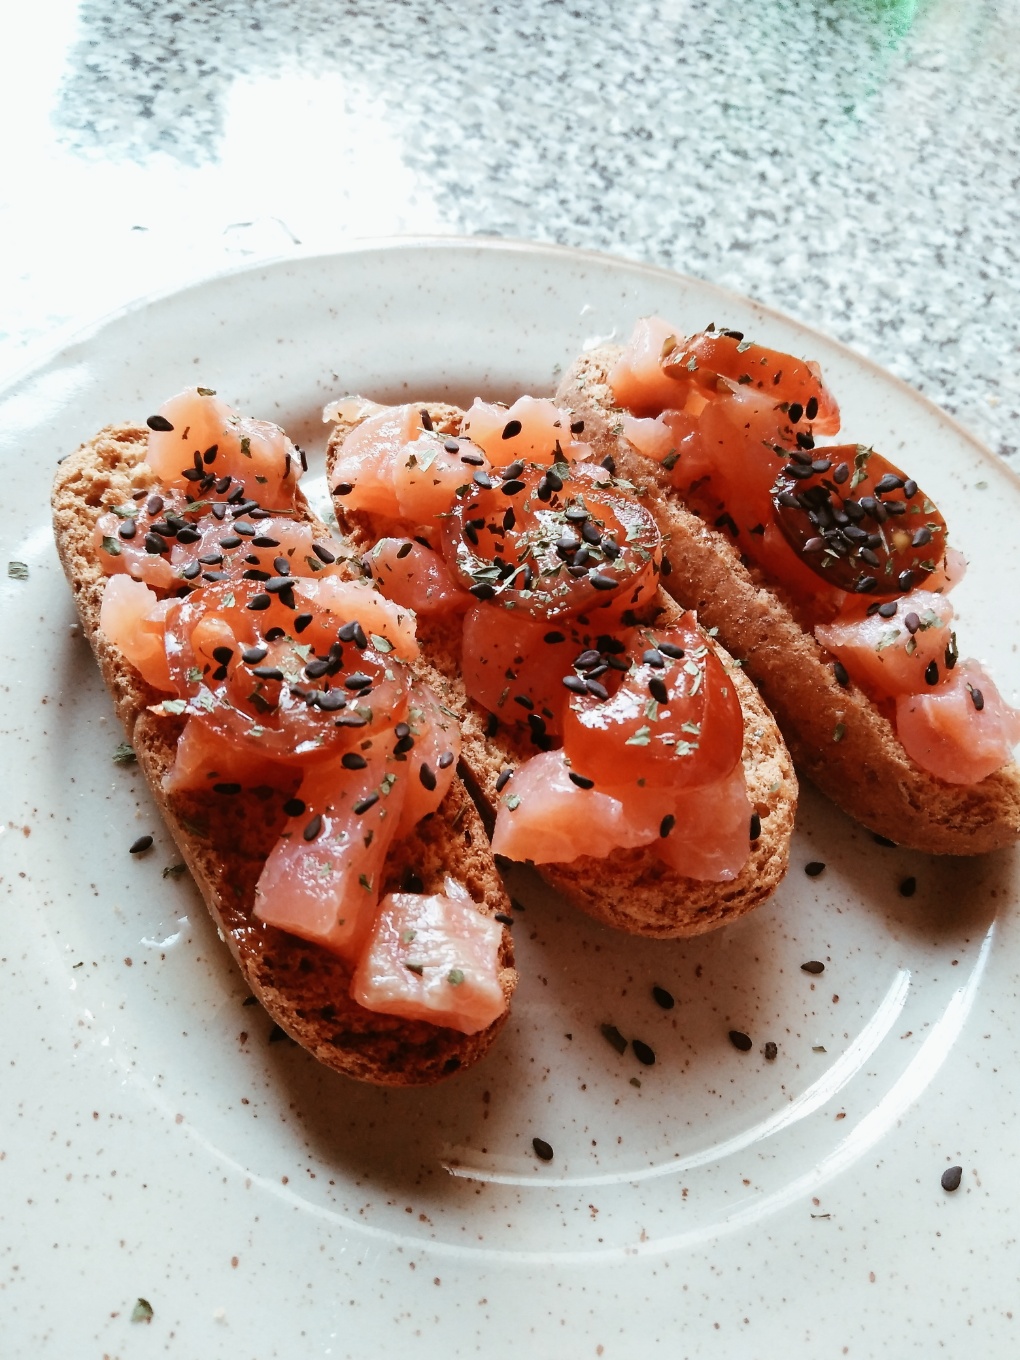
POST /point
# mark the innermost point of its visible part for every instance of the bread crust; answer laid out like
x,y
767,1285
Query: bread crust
x,y
838,737
304,987
631,890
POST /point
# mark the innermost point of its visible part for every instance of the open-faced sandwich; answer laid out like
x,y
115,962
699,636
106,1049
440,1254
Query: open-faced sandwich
x,y
823,567
608,739
294,739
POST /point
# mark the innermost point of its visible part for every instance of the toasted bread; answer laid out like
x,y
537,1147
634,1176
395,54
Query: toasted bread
x,y
631,890
224,842
838,737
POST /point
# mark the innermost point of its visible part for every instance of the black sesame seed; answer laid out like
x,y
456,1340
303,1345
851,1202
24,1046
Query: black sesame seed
x,y
643,1052
343,488
227,788
543,1151
976,697
575,684
795,412
155,544
351,760
358,681
663,998
502,779
159,423
601,581
811,409
911,622
427,776
512,487
594,687
191,571
841,674
657,689
814,868
951,1178
653,657
251,656
910,488
426,420
503,918
363,804
666,825
140,846
267,672
890,482
905,580
931,673
908,886
886,609
812,966
921,538
740,1041
755,832
580,780
128,529
258,602
866,584
294,807
445,760
879,839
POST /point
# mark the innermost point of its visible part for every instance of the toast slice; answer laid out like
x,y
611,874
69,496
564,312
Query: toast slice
x,y
631,890
838,737
225,841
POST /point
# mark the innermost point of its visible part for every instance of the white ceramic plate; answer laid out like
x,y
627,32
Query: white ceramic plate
x,y
156,1144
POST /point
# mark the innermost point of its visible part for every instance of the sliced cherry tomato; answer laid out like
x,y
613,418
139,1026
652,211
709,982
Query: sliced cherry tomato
x,y
293,685
673,719
795,383
859,522
553,541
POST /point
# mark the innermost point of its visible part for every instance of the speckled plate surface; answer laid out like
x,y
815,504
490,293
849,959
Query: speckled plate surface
x,y
157,1144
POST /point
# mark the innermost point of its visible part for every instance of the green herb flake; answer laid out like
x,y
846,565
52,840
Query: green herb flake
x,y
124,754
142,1311
314,563
640,738
455,977
839,732
175,707
194,675
743,346
887,639
123,511
110,545
228,600
613,1036
175,870
512,801
365,882
380,643
386,783
406,936
206,391
246,446
417,968
652,710
671,459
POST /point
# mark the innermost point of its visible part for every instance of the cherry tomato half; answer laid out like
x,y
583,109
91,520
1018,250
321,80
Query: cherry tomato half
x,y
553,541
672,721
859,522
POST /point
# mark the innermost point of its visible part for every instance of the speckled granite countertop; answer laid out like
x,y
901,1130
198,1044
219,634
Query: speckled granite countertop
x,y
855,163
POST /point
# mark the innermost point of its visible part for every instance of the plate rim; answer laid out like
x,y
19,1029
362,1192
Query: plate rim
x,y
51,350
